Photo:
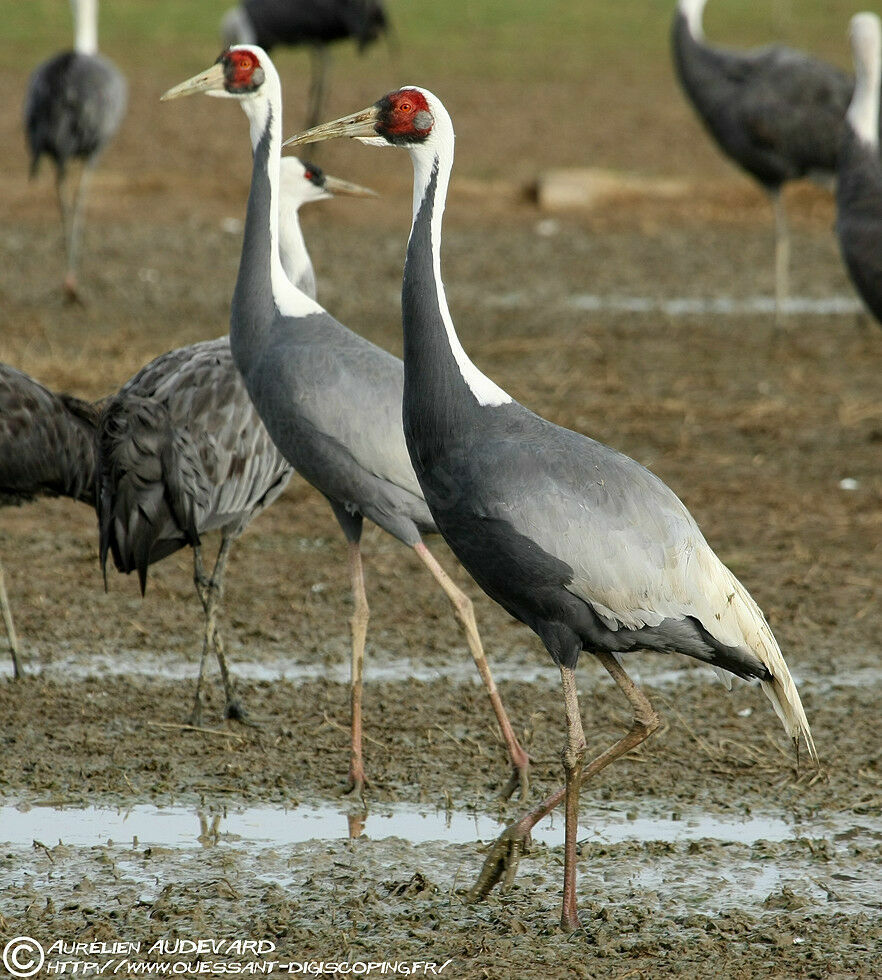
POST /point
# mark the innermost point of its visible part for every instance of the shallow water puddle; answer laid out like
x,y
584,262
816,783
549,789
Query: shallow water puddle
x,y
715,305
386,670
180,826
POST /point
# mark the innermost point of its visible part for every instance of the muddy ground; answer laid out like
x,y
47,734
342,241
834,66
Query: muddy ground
x,y
755,430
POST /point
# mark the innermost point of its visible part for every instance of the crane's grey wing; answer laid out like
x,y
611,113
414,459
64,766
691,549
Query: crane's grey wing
x,y
217,424
101,95
183,452
636,554
350,391
74,105
46,441
794,106
859,216
319,21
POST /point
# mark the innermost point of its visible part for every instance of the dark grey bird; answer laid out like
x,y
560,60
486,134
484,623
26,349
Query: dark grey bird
x,y
183,452
774,111
74,106
330,399
582,544
47,449
859,180
315,23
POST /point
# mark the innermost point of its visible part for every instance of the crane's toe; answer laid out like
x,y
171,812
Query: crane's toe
x,y
501,863
520,780
71,290
235,711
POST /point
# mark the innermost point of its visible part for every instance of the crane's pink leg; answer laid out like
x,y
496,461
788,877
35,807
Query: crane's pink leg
x,y
17,671
573,760
462,608
358,624
502,860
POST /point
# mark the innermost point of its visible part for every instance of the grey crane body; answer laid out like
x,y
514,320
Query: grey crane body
x,y
579,542
47,445
330,399
292,22
775,111
859,217
549,522
859,183
74,105
183,453
47,448
316,23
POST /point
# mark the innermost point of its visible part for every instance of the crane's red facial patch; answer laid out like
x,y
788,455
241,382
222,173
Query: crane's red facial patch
x,y
242,71
405,116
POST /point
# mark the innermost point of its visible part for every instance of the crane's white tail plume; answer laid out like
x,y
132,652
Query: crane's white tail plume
x,y
781,689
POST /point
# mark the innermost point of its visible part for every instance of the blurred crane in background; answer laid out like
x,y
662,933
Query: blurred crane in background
x,y
74,105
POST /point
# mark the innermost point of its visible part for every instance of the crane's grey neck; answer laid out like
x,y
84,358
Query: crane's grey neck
x,y
866,44
85,15
692,10
264,112
431,174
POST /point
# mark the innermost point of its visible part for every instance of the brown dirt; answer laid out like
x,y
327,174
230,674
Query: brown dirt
x,y
754,432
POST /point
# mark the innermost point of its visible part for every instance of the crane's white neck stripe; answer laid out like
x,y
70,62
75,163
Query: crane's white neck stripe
x,y
264,114
426,166
863,113
85,13
692,11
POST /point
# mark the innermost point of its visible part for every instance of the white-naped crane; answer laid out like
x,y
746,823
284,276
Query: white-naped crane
x,y
314,23
47,449
774,111
330,399
74,105
582,544
859,177
183,452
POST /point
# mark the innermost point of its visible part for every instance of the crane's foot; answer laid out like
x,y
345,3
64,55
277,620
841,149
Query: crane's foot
x,y
71,291
501,863
195,716
569,920
235,711
357,782
519,779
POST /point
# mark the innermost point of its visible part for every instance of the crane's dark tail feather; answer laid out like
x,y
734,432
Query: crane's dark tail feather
x,y
137,521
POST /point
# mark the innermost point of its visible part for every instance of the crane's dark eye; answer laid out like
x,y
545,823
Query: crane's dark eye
x,y
405,107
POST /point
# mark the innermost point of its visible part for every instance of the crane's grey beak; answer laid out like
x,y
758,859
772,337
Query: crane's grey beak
x,y
336,186
210,80
359,125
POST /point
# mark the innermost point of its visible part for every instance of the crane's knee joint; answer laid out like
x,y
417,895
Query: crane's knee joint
x,y
647,722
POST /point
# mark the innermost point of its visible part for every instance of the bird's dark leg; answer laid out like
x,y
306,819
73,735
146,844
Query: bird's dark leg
x,y
200,580
462,608
359,625
17,671
782,256
234,708
321,59
502,860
